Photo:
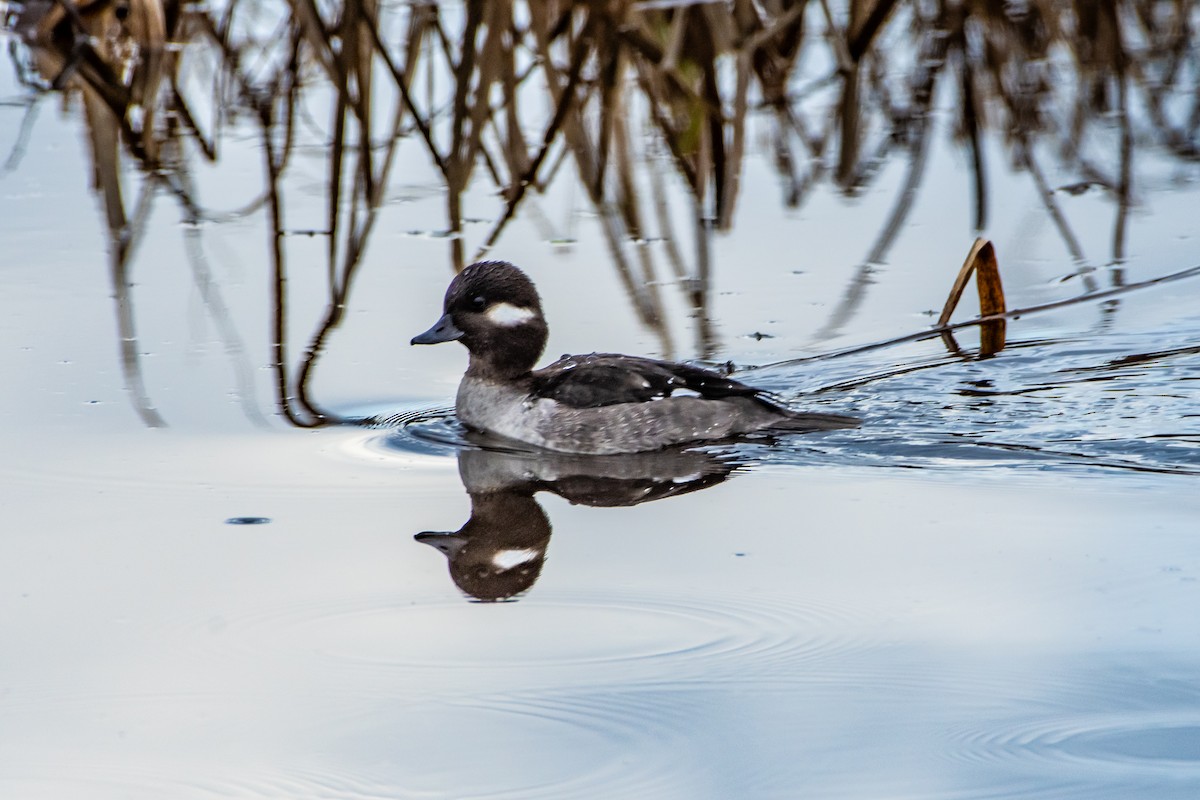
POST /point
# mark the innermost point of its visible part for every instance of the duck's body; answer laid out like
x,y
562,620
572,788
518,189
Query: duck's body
x,y
593,404
546,409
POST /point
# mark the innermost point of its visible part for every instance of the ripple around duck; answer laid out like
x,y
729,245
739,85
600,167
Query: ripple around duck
x,y
424,431
702,636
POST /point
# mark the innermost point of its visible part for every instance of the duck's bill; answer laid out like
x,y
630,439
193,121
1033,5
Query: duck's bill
x,y
444,330
448,543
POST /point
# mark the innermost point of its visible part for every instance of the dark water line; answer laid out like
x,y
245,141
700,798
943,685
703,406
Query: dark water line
x,y
1086,459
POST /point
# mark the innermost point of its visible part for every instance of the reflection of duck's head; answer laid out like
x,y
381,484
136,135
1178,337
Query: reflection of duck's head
x,y
499,553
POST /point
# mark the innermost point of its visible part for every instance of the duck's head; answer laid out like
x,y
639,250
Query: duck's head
x,y
499,553
494,310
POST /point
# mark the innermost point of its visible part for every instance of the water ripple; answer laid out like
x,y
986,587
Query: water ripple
x,y
1116,402
425,431
1159,743
627,633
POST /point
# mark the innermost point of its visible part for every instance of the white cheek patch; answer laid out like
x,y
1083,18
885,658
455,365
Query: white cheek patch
x,y
509,315
508,559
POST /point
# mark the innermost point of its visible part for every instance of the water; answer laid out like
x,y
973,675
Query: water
x,y
986,591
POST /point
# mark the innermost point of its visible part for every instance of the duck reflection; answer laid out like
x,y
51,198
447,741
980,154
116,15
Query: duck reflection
x,y
499,553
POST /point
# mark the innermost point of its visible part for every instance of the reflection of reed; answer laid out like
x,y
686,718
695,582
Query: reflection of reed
x,y
113,56
501,92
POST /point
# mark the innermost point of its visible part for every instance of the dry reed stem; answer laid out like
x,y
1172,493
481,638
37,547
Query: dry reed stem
x,y
866,26
1127,55
401,79
565,102
980,262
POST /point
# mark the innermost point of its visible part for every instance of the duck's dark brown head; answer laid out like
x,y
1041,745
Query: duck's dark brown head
x,y
494,310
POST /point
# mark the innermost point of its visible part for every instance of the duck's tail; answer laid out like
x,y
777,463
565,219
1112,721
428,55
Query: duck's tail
x,y
803,421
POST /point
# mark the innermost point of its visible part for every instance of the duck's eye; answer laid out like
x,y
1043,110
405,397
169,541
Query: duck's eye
x,y
478,302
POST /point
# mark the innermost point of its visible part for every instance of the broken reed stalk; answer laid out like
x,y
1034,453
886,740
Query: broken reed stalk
x,y
980,262
1016,313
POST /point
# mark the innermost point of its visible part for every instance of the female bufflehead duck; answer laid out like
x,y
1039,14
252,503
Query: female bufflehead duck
x,y
593,404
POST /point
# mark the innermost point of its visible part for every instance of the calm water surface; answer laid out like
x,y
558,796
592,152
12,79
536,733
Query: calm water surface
x,y
990,590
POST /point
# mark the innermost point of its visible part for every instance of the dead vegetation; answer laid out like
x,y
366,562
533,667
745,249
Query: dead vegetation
x,y
506,94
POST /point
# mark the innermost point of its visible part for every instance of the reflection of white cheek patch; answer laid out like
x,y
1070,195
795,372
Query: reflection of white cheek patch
x,y
508,314
508,559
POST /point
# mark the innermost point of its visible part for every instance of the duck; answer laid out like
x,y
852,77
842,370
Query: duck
x,y
594,404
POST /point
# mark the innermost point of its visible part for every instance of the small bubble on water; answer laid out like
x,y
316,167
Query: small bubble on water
x,y
247,520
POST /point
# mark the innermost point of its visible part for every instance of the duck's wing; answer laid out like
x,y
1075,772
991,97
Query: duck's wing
x,y
604,379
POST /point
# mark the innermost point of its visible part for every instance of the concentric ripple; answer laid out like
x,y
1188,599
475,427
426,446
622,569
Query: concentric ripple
x,y
709,637
638,733
566,744
587,742
1161,743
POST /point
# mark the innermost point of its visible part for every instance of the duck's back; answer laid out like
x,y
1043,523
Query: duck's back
x,y
604,404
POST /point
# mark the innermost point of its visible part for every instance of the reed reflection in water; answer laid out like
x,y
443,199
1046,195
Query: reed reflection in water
x,y
643,102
